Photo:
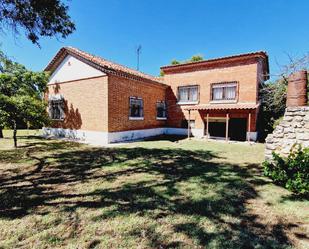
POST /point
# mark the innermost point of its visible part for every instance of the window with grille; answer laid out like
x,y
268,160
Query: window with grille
x,y
224,91
187,94
161,110
136,108
56,109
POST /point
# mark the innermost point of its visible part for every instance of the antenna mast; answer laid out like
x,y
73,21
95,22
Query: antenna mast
x,y
138,52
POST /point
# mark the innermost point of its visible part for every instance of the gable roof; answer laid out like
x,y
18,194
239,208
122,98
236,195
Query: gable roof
x,y
212,63
101,64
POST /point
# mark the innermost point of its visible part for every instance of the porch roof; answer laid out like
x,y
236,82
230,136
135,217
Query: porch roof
x,y
240,106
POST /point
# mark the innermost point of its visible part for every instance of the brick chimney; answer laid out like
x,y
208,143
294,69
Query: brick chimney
x,y
297,89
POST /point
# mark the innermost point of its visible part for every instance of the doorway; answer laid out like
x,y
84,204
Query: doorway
x,y
217,127
238,129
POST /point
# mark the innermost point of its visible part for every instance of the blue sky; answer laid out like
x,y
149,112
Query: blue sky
x,y
169,30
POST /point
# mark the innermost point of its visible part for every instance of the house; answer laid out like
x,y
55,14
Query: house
x,y
220,97
99,101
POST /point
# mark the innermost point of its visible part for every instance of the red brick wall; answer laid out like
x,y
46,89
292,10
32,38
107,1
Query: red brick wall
x,y
120,90
246,74
85,103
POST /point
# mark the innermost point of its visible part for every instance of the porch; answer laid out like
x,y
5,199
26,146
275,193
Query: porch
x,y
227,122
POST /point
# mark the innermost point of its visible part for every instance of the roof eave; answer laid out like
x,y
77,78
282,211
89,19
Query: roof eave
x,y
64,51
235,58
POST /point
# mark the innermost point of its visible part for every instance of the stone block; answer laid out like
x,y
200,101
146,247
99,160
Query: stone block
x,y
288,118
298,118
288,130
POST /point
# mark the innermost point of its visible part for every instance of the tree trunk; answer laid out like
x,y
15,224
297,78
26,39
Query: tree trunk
x,y
1,132
14,134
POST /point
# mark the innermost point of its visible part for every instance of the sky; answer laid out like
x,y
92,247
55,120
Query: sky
x,y
170,29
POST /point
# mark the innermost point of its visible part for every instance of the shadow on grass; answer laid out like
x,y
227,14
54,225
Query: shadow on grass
x,y
224,191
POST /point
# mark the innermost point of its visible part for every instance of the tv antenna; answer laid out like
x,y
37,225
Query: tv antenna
x,y
138,52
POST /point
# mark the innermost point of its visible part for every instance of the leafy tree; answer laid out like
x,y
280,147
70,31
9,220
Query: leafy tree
x,y
21,96
175,62
273,103
36,17
195,58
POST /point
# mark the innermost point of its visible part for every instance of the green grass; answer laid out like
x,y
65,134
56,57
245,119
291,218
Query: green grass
x,y
164,193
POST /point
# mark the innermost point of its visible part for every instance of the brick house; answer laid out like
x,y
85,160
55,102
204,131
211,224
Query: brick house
x,y
96,100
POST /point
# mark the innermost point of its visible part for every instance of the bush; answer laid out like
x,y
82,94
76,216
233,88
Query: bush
x,y
291,172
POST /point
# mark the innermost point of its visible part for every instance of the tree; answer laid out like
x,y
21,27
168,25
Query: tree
x,y
46,18
273,95
273,103
21,96
195,58
175,62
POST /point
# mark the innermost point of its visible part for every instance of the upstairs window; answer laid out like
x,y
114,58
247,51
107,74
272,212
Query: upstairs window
x,y
224,91
188,94
161,110
136,108
56,109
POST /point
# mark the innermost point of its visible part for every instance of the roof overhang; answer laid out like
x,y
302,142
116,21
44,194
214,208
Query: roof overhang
x,y
221,62
102,65
222,107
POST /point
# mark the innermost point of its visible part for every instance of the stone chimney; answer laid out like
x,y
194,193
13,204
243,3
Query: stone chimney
x,y
294,127
297,89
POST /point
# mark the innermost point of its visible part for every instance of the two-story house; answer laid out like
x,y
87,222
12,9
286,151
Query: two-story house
x,y
99,101
219,97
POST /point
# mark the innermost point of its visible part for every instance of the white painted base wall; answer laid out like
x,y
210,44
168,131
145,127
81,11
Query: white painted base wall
x,y
101,138
252,135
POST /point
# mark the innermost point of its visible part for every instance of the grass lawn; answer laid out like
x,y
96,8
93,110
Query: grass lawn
x,y
165,193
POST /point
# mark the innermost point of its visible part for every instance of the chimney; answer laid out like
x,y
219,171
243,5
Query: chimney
x,y
297,89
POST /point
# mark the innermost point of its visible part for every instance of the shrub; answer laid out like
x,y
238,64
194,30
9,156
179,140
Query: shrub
x,y
291,172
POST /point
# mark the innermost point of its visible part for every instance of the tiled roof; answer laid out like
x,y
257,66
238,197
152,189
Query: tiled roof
x,y
101,64
239,106
215,61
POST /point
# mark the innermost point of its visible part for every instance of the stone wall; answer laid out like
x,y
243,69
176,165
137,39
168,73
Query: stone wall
x,y
293,129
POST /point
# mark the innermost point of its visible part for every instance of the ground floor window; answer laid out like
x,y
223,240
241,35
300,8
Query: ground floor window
x,y
136,108
56,109
161,110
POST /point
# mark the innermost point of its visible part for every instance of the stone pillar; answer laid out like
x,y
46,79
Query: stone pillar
x,y
294,128
297,89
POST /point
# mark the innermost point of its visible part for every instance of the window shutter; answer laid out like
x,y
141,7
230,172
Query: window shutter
x,y
130,109
142,108
50,109
61,108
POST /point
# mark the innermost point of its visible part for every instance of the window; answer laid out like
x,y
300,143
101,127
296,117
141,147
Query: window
x,y
56,107
224,91
187,94
161,110
136,108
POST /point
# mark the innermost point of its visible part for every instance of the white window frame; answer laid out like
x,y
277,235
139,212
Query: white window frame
x,y
60,105
142,109
188,102
224,85
165,110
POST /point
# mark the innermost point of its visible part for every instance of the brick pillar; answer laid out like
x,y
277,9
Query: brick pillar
x,y
297,89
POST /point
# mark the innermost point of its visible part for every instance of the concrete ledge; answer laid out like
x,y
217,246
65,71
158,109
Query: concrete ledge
x,y
100,137
114,137
103,138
